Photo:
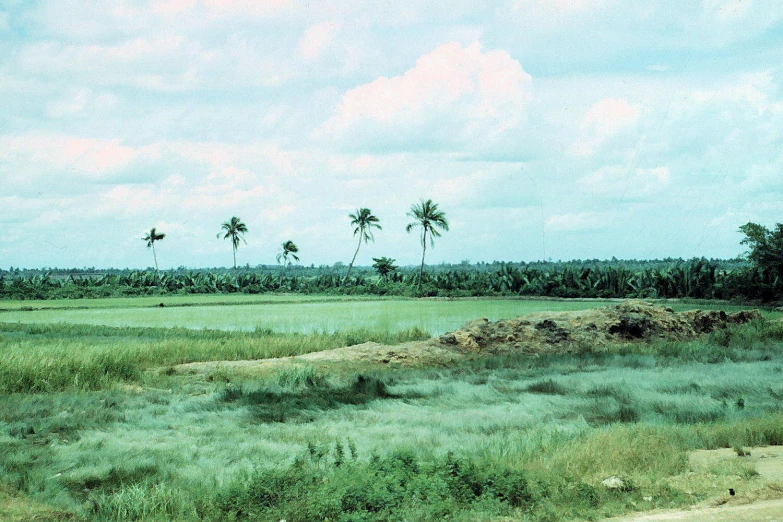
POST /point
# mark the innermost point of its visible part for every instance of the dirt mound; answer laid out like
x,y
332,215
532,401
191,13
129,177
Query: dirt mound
x,y
633,321
415,353
544,332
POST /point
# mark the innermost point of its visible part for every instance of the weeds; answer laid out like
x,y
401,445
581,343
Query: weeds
x,y
52,358
304,402
505,436
548,386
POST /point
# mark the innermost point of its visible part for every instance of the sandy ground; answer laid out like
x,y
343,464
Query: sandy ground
x,y
406,354
754,499
767,510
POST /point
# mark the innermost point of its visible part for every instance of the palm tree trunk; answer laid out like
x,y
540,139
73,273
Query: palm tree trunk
x,y
352,260
155,257
423,251
235,259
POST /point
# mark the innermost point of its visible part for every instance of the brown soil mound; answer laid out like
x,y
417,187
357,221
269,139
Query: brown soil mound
x,y
633,321
544,332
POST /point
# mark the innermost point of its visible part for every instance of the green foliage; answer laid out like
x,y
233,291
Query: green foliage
x,y
464,442
395,486
431,220
235,230
547,387
363,222
50,358
692,279
302,404
766,255
384,266
288,251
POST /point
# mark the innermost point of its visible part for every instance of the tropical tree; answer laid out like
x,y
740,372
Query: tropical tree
x,y
384,266
363,221
152,236
234,229
766,247
287,252
427,216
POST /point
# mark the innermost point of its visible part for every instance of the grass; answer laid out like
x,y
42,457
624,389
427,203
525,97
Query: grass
x,y
89,432
294,314
49,358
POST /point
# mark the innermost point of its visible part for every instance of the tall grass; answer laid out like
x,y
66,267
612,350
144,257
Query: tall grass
x,y
48,358
513,436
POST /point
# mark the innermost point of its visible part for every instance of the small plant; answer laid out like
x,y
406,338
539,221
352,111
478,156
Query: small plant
x,y
339,454
352,449
740,451
548,387
299,377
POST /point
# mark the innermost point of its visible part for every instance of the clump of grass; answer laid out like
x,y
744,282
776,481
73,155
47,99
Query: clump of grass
x,y
609,412
548,386
740,451
143,501
299,377
110,479
302,404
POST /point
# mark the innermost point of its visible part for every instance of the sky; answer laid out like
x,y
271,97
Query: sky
x,y
550,129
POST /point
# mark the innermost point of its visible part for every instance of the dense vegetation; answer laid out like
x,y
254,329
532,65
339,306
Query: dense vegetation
x,y
760,278
492,437
695,278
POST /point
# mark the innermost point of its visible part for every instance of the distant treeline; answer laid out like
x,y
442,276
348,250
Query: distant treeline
x,y
736,279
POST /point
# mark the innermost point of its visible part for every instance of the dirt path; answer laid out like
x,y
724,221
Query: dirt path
x,y
767,511
754,500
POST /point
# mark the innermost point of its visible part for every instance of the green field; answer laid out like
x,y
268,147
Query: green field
x,y
293,314
95,424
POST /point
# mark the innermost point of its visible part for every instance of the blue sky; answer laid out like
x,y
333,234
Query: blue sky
x,y
544,129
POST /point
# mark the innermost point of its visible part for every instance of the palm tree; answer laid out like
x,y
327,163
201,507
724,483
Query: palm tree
x,y
234,230
430,219
288,248
150,238
364,221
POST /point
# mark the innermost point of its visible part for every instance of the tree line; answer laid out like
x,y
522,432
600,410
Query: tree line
x,y
425,214
758,277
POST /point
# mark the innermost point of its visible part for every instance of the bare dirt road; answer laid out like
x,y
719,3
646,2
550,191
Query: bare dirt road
x,y
754,499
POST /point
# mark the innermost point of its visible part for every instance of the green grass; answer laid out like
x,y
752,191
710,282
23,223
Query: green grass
x,y
7,305
295,314
48,358
88,431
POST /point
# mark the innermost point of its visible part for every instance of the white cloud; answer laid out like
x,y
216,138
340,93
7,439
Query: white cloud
x,y
602,121
726,10
163,62
82,156
451,97
316,39
185,112
750,89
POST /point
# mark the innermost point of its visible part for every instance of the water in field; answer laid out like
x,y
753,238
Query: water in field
x,y
434,316
289,314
